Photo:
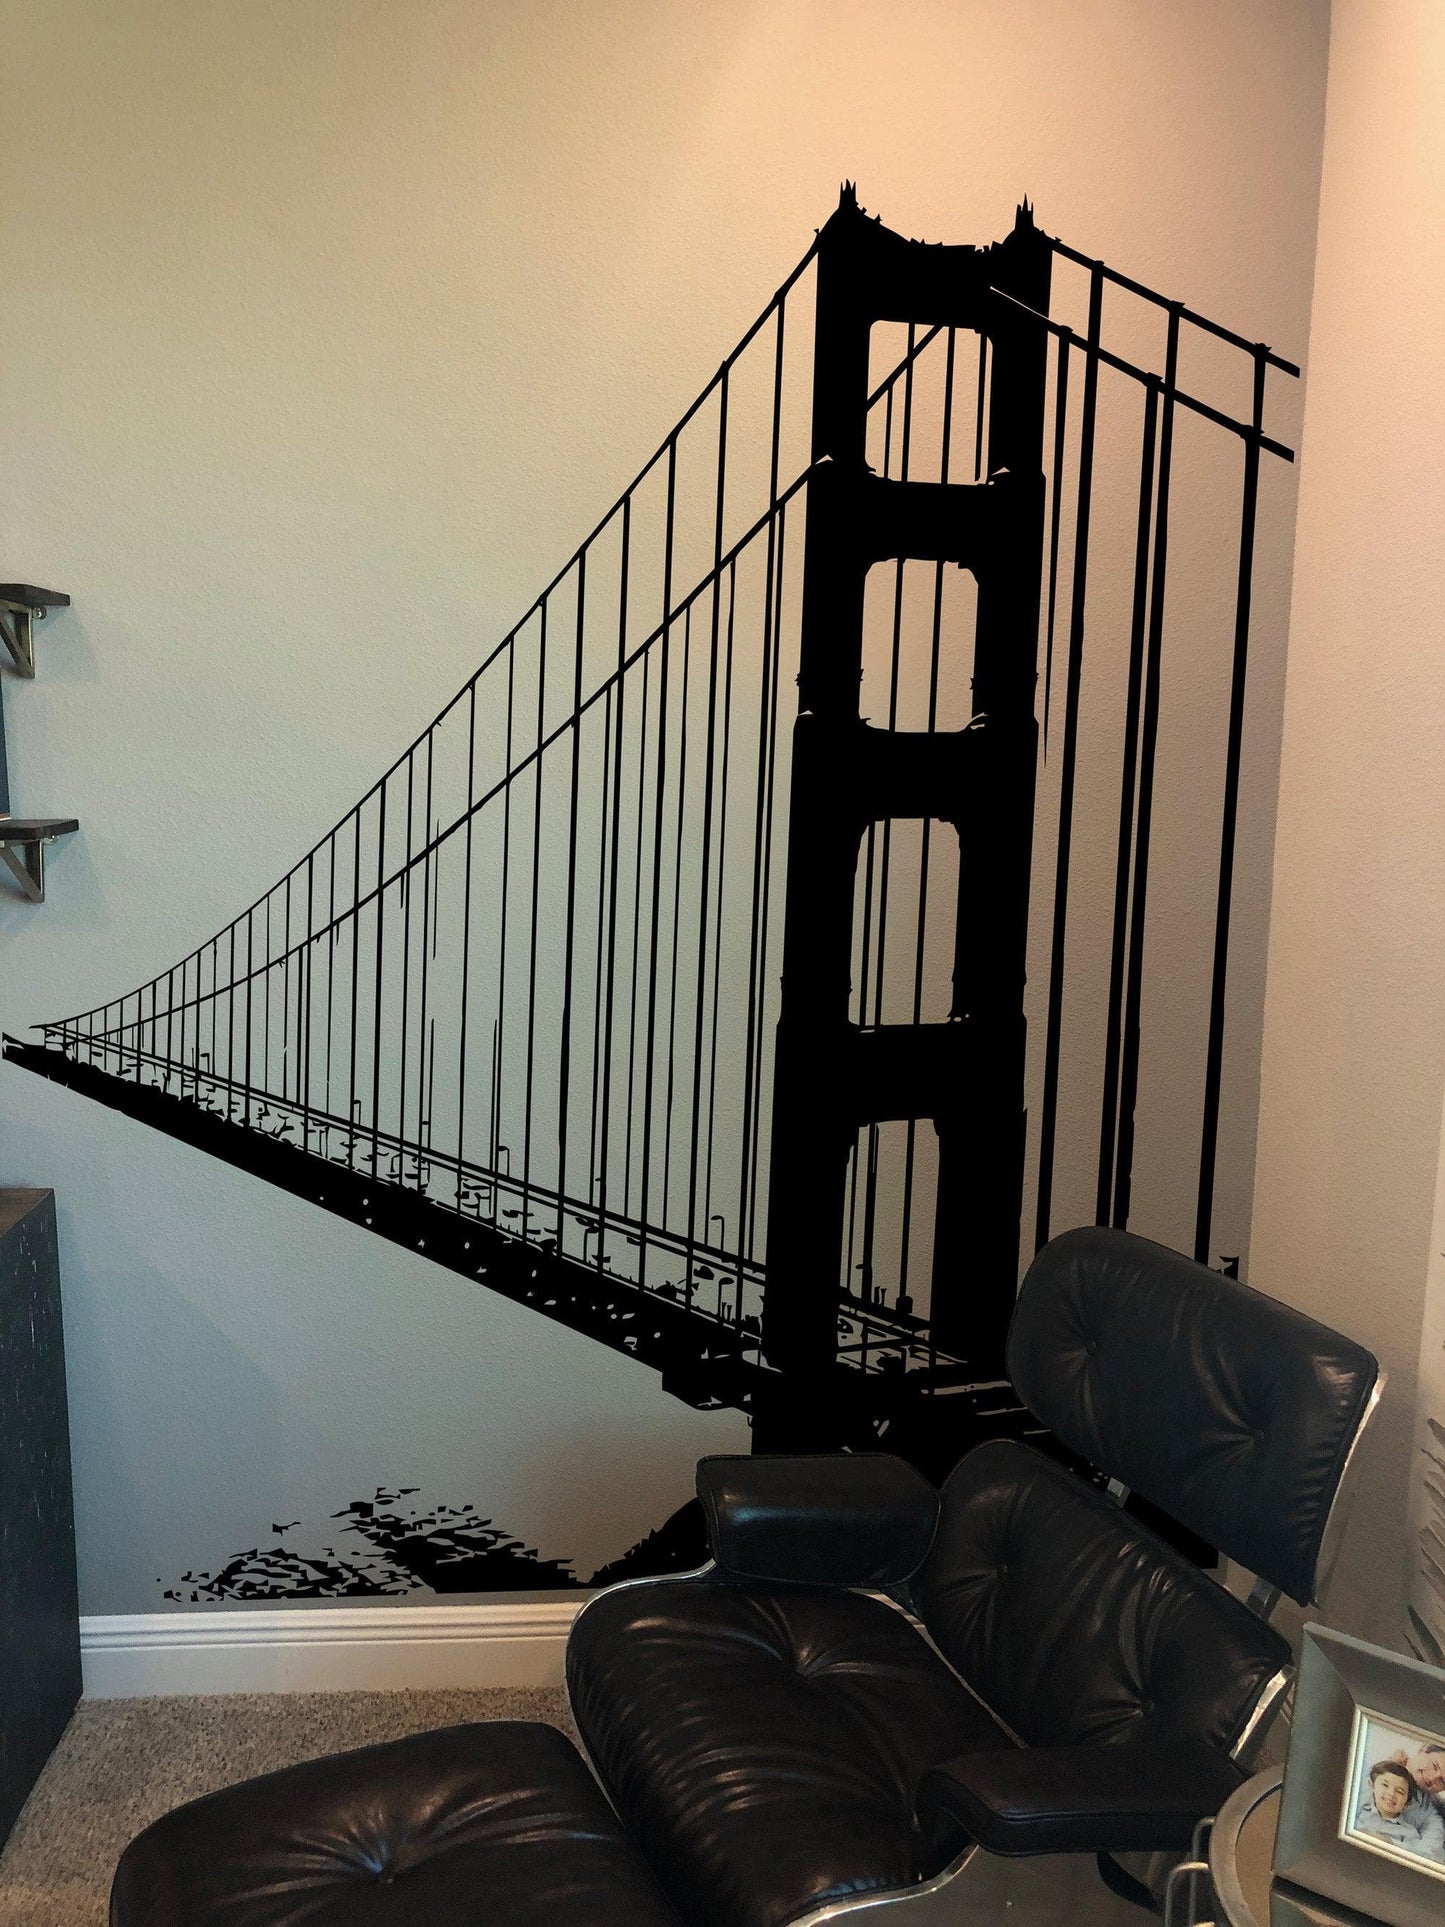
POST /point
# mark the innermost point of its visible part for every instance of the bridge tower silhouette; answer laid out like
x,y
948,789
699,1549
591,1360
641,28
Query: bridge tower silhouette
x,y
530,1008
965,1075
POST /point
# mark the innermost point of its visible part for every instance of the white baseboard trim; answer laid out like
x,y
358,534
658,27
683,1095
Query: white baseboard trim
x,y
327,1649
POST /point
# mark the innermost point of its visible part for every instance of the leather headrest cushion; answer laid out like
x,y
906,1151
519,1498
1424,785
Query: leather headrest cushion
x,y
1230,1411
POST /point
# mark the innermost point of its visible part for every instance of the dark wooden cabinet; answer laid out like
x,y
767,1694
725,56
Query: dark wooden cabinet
x,y
39,1614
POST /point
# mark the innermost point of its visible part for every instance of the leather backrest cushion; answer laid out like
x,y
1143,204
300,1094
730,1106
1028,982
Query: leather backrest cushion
x,y
817,1519
1231,1412
1074,1623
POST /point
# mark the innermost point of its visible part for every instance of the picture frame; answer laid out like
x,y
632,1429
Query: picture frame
x,y
1362,1821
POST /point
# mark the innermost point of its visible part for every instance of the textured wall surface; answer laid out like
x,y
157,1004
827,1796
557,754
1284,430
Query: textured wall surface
x,y
1354,1044
345,321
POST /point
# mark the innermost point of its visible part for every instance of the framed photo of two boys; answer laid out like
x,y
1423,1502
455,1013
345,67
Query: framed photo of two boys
x,y
1362,1816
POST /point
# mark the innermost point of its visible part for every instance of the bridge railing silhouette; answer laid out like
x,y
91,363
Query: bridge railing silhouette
x,y
520,1003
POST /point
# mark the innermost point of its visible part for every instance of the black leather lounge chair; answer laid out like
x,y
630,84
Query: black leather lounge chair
x,y
871,1681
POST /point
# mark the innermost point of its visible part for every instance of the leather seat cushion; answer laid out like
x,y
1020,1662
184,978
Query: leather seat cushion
x,y
470,1824
765,1745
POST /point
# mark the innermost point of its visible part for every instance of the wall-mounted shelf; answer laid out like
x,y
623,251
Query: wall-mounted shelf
x,y
23,838
21,607
22,848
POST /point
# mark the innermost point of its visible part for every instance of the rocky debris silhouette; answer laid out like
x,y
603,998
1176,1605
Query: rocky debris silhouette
x,y
443,1549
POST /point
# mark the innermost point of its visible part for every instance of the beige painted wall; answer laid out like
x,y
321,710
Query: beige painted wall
x,y
1354,1043
329,326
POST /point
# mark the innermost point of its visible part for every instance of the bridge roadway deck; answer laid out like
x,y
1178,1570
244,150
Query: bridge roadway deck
x,y
703,1359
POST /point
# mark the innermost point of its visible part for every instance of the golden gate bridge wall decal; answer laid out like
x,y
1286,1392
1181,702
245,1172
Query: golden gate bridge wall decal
x,y
628,989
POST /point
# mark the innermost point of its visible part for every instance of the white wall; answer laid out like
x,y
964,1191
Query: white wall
x,y
1354,1042
328,330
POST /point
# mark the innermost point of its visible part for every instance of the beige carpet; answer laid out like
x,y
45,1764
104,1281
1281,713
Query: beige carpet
x,y
123,1763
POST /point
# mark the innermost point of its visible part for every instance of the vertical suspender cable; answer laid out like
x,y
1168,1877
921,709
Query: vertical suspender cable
x,y
720,891
376,1012
1148,744
564,1050
464,990
612,877
406,949
772,736
650,1058
1109,1114
630,1113
608,806
424,1032
752,1044
353,1095
331,936
709,773
676,913
230,1021
499,1042
1215,1050
250,978
1056,507
265,1008
1048,1118
289,1072
532,923
305,1028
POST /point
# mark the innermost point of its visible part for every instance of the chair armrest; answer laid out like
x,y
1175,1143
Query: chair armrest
x,y
1132,1797
855,1519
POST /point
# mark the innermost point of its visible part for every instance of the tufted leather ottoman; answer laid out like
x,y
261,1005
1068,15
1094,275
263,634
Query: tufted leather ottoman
x,y
496,1825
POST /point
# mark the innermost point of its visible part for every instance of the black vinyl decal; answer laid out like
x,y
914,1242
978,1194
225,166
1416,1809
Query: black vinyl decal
x,y
695,1018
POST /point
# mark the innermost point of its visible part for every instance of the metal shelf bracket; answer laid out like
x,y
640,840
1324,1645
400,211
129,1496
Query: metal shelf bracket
x,y
22,849
27,866
21,607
